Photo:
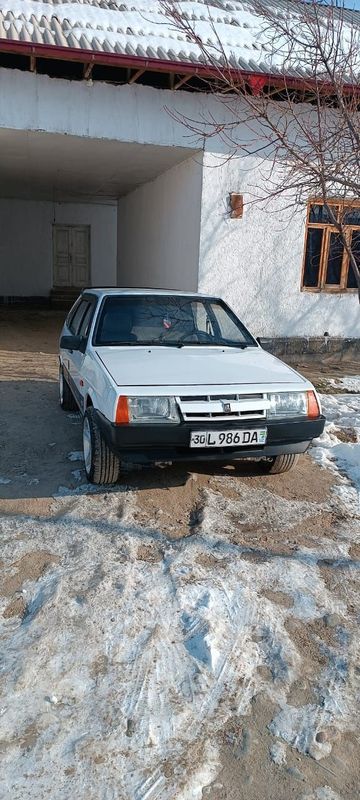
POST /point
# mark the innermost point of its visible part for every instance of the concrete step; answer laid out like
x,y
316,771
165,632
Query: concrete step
x,y
64,296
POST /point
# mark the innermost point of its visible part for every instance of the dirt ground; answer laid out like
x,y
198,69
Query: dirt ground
x,y
267,520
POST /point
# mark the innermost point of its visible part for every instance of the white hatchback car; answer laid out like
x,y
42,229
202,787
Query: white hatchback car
x,y
164,376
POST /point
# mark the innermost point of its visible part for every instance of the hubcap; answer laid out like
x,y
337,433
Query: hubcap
x,y
87,446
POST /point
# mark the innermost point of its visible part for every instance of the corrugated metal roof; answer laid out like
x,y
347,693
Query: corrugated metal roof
x,y
137,28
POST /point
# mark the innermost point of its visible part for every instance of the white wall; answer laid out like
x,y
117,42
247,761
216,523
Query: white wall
x,y
159,230
121,113
26,243
255,262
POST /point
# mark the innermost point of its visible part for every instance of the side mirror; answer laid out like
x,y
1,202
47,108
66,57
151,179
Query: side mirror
x,y
70,342
258,339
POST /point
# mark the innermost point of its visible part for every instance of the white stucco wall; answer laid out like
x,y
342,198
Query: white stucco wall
x,y
159,230
255,262
26,255
98,110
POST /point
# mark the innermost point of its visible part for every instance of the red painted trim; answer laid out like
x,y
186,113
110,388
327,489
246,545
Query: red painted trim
x,y
255,79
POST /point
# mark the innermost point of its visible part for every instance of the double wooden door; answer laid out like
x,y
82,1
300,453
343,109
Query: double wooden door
x,y
71,248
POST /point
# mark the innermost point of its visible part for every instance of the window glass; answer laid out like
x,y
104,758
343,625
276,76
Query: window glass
x,y
334,262
86,321
77,317
355,247
202,318
352,216
227,324
172,320
321,213
312,257
72,311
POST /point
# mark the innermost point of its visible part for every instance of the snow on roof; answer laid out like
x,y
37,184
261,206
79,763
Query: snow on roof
x,y
138,28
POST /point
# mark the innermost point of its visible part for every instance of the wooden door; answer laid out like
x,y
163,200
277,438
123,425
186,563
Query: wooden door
x,y
71,255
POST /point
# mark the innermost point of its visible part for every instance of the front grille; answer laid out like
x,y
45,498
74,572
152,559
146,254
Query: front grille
x,y
202,408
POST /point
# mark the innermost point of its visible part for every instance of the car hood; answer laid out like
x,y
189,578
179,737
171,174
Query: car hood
x,y
193,366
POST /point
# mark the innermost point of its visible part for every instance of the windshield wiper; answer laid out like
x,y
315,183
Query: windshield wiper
x,y
238,345
139,344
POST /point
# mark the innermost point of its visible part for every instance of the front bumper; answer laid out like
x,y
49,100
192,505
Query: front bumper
x,y
147,443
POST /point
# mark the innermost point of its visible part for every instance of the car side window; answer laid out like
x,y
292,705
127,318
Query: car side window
x,y
77,318
86,321
72,313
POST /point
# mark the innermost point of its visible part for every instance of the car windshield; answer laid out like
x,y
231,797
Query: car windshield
x,y
173,321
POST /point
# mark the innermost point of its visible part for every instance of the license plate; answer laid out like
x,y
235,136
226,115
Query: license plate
x,y
239,438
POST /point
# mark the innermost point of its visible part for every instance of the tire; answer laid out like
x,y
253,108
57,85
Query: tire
x,y
102,466
66,397
282,463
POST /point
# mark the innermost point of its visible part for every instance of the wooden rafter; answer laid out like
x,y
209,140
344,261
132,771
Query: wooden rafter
x,y
136,75
182,80
88,70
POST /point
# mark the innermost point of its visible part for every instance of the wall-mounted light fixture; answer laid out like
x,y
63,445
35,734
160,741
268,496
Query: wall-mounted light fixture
x,y
236,205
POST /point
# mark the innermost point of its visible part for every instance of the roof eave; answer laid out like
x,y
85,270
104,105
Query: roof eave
x,y
257,79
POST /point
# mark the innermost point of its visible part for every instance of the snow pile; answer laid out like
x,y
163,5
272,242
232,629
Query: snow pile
x,y
339,445
350,383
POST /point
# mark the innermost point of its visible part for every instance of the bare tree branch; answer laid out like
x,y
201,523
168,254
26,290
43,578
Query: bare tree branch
x,y
305,132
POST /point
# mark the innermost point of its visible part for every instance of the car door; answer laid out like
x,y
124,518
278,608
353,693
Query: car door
x,y
79,325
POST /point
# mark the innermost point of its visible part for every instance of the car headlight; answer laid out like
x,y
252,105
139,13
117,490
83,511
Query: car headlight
x,y
288,404
152,409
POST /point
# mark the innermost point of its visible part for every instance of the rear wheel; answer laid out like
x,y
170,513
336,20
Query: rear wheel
x,y
281,463
102,466
66,397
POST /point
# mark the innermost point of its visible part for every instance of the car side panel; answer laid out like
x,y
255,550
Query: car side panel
x,y
98,386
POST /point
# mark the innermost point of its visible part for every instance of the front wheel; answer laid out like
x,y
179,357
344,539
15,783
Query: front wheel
x,y
102,466
282,463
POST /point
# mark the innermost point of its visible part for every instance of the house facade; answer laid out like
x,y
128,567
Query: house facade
x,y
102,183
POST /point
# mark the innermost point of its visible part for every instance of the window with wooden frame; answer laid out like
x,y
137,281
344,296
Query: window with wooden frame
x,y
326,266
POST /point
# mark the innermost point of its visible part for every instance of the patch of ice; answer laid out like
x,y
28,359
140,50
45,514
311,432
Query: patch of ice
x,y
84,488
322,793
300,727
278,753
76,455
77,474
4,481
296,725
202,777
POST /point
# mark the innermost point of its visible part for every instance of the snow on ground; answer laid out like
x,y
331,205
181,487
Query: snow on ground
x,y
339,445
134,650
349,383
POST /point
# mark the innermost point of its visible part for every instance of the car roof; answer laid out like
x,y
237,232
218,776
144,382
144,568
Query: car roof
x,y
116,290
